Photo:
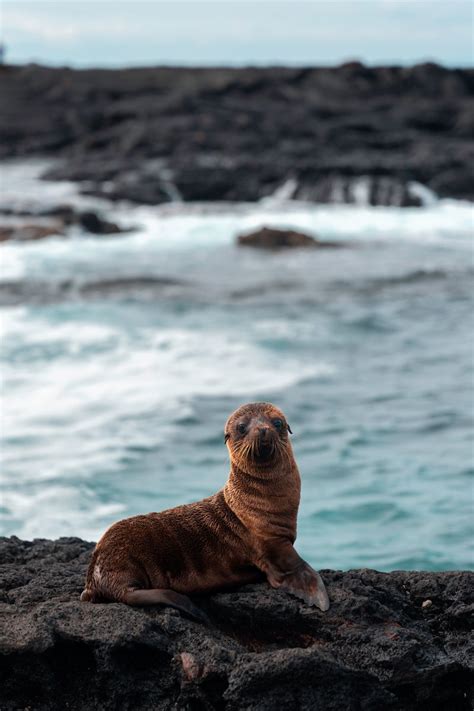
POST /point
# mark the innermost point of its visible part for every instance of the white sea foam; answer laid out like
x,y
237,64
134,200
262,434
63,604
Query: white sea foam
x,y
360,188
57,510
144,251
189,229
102,379
23,189
95,390
286,190
425,195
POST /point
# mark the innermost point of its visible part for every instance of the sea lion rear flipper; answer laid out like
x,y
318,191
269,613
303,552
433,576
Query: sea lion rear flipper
x,y
157,596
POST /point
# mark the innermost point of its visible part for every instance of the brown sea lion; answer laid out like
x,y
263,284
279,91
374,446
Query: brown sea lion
x,y
236,536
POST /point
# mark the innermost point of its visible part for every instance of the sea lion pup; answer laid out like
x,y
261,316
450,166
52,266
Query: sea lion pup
x,y
233,537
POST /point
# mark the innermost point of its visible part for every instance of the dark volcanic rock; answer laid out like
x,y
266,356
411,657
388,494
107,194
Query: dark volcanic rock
x,y
344,134
28,232
271,238
64,215
92,222
378,647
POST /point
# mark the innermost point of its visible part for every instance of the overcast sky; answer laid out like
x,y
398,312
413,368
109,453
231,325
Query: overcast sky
x,y
127,32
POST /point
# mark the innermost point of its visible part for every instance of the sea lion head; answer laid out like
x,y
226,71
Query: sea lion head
x,y
256,435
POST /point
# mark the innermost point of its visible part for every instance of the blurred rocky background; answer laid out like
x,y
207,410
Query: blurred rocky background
x,y
388,135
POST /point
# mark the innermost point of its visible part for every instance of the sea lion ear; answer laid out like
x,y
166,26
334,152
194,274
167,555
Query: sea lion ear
x,y
289,428
226,437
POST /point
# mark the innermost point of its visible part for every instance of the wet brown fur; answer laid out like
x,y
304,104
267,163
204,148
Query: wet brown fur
x,y
240,534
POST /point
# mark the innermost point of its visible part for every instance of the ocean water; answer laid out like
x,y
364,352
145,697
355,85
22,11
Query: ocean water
x,y
121,358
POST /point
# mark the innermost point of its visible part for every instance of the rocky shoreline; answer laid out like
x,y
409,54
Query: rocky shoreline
x,y
351,134
393,641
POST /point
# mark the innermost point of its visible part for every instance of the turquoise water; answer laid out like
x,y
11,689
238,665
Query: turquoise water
x,y
123,357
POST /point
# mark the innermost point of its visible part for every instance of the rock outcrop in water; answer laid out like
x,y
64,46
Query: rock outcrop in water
x,y
390,641
271,238
53,222
29,232
377,135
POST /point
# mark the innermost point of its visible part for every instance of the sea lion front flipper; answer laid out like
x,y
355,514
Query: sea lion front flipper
x,y
307,585
157,596
285,569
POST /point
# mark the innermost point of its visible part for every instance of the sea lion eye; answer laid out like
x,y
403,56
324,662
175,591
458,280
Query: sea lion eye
x,y
277,423
241,428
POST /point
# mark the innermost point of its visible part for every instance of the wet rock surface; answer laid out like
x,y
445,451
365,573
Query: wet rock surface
x,y
54,222
29,232
352,133
96,225
273,239
380,646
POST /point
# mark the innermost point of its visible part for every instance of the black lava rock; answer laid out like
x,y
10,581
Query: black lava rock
x,y
378,647
92,222
273,239
344,134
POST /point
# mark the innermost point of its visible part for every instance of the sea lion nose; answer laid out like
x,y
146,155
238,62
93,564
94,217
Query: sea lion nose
x,y
263,432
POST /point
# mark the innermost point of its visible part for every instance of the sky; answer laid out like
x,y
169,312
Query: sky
x,y
113,33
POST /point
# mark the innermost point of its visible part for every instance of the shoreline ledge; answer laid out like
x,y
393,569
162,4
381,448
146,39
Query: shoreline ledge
x,y
353,134
392,641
